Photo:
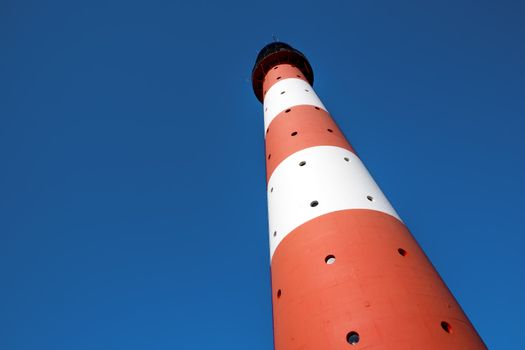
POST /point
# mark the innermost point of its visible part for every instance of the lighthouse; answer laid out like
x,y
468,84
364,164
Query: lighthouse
x,y
346,273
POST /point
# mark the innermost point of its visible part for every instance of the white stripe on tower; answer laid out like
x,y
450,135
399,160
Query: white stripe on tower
x,y
286,94
316,181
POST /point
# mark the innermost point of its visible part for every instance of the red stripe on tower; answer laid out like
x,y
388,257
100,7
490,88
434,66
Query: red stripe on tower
x,y
346,272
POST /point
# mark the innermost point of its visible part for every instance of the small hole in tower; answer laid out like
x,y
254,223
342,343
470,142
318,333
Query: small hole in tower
x,y
269,156
306,90
352,338
268,129
278,78
287,111
446,327
347,159
317,108
279,293
298,76
303,163
314,204
330,259
271,190
370,198
274,233
329,130
282,92
402,252
275,67
294,133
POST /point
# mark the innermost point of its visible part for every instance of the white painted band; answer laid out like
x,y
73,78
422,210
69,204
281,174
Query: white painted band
x,y
326,177
288,93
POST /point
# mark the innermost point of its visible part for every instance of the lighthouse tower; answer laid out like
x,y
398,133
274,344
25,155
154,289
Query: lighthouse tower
x,y
346,272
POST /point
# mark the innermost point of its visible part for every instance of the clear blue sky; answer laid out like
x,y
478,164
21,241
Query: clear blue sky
x,y
132,183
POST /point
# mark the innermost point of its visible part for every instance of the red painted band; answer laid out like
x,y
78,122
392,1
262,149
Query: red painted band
x,y
302,127
281,72
381,286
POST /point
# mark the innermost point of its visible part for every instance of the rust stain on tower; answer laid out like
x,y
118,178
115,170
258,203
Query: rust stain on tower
x,y
346,272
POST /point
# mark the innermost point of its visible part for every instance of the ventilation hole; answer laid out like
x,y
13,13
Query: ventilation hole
x,y
282,92
278,78
288,110
314,204
269,156
352,338
317,108
330,259
347,159
298,76
306,90
271,190
402,252
275,67
294,133
446,327
279,293
265,92
274,233
370,198
329,130
267,130
303,163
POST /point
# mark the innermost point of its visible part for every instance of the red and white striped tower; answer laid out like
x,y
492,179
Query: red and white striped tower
x,y
346,272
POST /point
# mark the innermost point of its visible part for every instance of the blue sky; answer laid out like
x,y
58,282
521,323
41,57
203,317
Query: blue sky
x,y
132,183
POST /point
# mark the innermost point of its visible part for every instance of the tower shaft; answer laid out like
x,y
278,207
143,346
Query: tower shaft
x,y
346,272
